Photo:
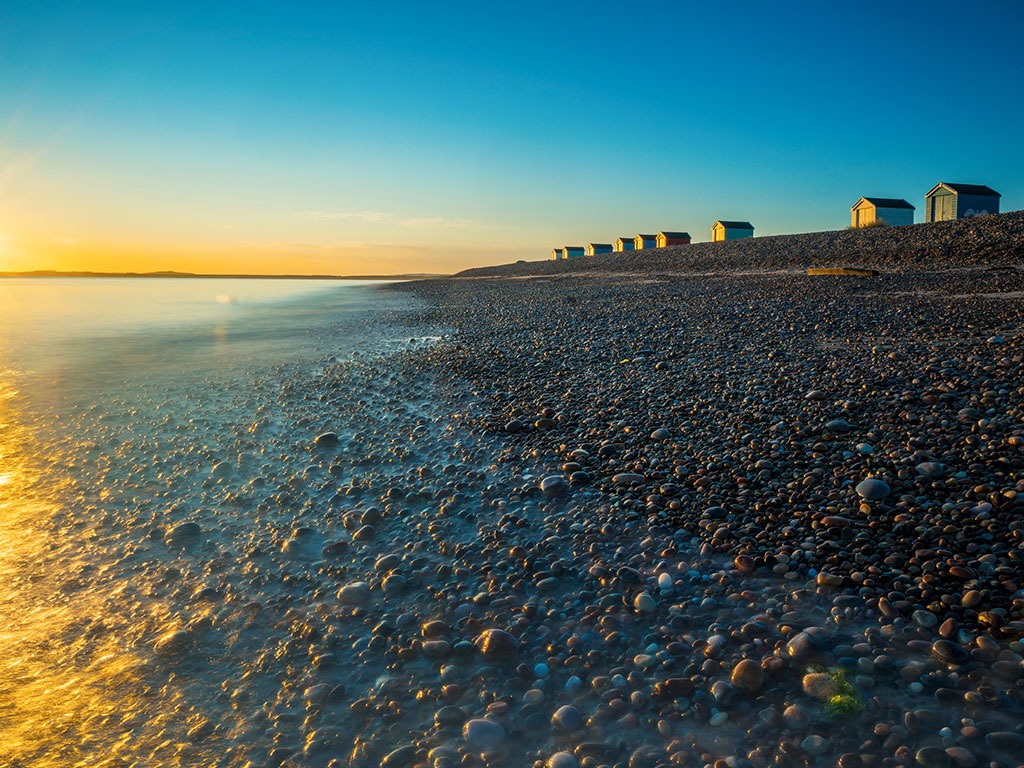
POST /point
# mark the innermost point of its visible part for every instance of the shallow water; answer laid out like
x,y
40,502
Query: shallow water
x,y
118,398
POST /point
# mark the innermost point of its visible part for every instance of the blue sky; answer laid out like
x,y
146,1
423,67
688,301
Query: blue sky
x,y
362,137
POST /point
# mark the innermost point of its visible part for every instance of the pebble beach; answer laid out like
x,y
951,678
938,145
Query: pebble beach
x,y
779,514
600,519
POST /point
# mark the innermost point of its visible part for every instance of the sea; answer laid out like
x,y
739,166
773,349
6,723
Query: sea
x,y
131,406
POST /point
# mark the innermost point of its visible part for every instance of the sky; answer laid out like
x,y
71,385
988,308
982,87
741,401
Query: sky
x,y
386,137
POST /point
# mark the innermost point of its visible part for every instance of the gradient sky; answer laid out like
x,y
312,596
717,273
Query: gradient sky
x,y
351,138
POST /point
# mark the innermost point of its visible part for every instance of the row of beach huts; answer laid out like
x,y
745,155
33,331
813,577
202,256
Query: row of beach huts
x,y
721,230
945,202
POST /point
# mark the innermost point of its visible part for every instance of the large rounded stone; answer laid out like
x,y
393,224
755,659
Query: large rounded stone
x,y
949,651
748,676
182,534
820,686
483,735
172,643
497,645
553,486
873,489
326,440
802,646
563,760
356,593
644,603
567,719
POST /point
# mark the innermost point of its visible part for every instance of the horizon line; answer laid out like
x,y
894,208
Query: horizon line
x,y
236,276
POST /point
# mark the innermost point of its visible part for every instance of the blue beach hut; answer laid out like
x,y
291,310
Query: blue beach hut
x,y
947,202
645,241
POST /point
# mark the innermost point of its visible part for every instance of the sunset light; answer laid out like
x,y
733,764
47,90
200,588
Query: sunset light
x,y
180,137
511,385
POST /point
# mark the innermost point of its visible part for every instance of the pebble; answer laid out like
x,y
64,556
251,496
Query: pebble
x,y
567,718
554,486
815,745
802,646
796,718
949,651
932,757
748,676
173,643
356,593
497,645
873,489
562,760
961,757
1007,741
182,534
483,736
644,603
930,469
326,440
820,686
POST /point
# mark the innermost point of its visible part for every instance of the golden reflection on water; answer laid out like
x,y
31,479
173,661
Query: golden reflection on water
x,y
66,683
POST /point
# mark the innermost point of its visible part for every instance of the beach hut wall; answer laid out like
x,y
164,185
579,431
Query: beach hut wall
x,y
892,210
946,202
572,252
624,244
593,249
556,254
664,239
645,241
731,230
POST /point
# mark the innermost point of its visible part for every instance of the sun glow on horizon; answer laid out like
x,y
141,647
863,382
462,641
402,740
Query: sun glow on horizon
x,y
174,137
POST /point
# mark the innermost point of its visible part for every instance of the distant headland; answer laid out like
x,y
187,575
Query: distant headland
x,y
197,275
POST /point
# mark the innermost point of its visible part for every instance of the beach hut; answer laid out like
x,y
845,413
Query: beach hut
x,y
624,244
731,230
645,241
572,251
556,254
891,210
593,249
664,239
947,202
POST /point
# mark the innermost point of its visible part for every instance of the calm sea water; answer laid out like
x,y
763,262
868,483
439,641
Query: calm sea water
x,y
67,336
118,398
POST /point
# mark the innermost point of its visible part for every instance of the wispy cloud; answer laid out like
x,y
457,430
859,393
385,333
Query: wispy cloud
x,y
386,217
368,216
439,222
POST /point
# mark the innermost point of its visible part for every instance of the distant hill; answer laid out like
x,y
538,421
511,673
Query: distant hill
x,y
187,275
985,240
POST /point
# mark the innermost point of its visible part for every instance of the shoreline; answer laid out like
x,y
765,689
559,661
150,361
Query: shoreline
x,y
169,275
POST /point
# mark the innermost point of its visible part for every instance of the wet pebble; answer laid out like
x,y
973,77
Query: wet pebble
x,y
483,736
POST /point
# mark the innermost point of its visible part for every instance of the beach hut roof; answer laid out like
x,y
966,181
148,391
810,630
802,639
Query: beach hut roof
x,y
735,224
966,189
674,234
647,237
886,202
